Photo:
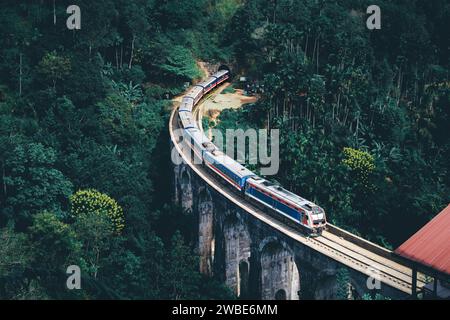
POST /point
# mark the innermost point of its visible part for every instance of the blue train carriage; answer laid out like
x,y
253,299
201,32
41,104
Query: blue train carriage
x,y
288,204
229,170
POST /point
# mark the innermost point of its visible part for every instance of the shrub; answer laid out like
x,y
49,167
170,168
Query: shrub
x,y
360,162
91,201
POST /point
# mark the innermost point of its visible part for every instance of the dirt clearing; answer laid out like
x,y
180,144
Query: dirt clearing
x,y
213,106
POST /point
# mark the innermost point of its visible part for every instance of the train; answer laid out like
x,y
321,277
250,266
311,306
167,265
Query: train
x,y
266,195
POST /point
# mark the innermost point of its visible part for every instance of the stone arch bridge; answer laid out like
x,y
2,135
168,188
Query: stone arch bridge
x,y
255,259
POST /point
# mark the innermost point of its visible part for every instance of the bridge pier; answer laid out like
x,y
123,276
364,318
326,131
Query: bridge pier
x,y
183,187
206,241
237,253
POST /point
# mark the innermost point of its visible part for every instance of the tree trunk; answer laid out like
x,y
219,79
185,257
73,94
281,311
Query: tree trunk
x,y
3,179
314,50
274,11
399,86
20,75
338,105
132,52
121,55
318,48
54,13
357,127
306,46
117,59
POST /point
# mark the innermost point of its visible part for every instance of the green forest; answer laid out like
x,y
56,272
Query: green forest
x,y
85,172
364,115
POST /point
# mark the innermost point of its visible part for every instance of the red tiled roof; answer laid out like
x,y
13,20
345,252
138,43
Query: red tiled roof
x,y
430,246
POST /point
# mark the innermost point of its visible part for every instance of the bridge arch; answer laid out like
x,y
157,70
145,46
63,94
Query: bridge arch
x,y
185,187
237,245
204,195
280,278
280,295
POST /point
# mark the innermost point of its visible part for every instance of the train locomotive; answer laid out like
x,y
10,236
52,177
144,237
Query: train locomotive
x,y
259,191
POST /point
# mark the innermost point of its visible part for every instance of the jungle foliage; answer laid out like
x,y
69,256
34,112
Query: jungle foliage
x,y
84,170
364,115
84,160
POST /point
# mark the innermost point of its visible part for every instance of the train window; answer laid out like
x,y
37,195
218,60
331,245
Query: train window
x,y
317,210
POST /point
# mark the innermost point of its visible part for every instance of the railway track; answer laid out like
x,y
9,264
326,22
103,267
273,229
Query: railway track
x,y
348,249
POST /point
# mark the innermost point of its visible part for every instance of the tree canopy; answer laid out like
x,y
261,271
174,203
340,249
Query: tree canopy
x,y
83,126
84,160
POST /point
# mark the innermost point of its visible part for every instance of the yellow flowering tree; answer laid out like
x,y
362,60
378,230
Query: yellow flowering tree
x,y
90,201
361,163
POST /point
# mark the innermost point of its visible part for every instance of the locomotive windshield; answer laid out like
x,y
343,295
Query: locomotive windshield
x,y
317,210
317,213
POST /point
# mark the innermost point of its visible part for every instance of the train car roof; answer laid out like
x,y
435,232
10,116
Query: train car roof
x,y
207,144
197,135
207,81
284,193
187,120
231,164
186,99
194,91
201,139
186,105
220,73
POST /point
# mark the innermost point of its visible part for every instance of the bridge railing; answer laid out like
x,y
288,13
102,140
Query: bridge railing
x,y
363,243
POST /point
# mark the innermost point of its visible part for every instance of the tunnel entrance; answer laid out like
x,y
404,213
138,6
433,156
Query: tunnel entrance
x,y
225,67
